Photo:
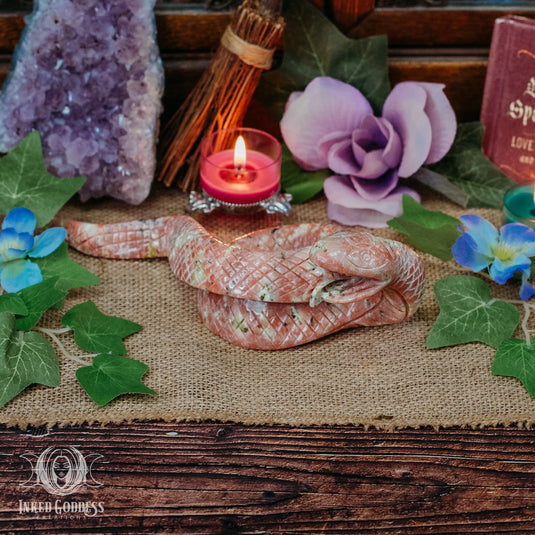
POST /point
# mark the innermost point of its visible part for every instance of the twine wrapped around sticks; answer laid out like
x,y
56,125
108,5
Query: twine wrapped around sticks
x,y
221,97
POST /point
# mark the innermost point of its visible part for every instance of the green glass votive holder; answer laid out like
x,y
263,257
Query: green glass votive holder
x,y
519,205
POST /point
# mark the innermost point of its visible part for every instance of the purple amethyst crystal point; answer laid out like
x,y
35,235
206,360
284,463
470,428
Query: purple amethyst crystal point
x,y
88,76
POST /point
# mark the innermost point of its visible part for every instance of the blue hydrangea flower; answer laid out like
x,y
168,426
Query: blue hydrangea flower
x,y
18,245
503,252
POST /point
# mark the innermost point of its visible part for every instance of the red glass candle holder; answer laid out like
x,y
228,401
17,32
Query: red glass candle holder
x,y
240,183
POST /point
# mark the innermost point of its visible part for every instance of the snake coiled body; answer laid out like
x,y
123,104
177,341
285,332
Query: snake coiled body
x,y
273,288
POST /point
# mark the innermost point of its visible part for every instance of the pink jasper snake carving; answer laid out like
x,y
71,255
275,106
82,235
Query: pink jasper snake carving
x,y
274,288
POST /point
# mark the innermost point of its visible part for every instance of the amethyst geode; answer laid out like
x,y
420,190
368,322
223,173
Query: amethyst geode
x,y
88,76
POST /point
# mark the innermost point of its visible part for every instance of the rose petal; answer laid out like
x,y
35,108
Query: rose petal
x,y
371,134
377,133
325,106
346,206
393,150
373,165
326,142
379,188
375,148
341,160
368,144
404,108
442,118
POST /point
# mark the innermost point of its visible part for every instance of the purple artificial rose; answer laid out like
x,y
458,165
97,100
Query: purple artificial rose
x,y
330,125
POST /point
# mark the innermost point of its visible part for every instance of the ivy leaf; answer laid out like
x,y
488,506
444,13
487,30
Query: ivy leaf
x,y
468,313
13,303
303,185
112,375
515,359
415,212
38,299
96,332
25,358
468,168
432,232
313,46
68,273
25,181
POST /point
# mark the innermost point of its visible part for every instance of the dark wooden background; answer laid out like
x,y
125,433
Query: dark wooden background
x,y
213,478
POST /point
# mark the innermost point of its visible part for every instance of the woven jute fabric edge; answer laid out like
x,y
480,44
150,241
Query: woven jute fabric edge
x,y
380,377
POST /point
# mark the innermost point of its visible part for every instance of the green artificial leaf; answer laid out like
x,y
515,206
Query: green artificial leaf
x,y
38,299
68,273
112,375
515,359
432,232
313,46
437,242
415,212
25,181
303,185
468,313
13,303
25,358
468,168
96,332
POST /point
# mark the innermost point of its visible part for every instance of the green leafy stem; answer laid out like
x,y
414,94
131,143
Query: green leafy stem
x,y
26,355
53,335
468,311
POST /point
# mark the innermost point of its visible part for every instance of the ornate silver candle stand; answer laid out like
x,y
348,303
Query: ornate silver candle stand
x,y
279,203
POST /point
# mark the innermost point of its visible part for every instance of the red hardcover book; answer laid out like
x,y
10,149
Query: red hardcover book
x,y
508,108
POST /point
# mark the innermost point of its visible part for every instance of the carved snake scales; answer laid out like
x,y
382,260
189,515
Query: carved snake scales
x,y
273,288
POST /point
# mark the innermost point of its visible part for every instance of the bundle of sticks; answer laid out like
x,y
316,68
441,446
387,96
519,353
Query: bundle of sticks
x,y
221,97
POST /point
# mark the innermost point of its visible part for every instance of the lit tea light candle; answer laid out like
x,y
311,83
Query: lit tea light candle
x,y
240,153
519,205
240,165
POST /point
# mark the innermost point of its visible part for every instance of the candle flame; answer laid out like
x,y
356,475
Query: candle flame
x,y
240,153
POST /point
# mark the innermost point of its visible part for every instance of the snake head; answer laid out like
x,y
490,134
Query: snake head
x,y
360,262
353,254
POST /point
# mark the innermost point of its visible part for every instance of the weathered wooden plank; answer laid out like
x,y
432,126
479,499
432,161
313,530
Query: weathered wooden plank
x,y
464,78
417,27
190,31
346,13
180,31
228,478
200,30
11,26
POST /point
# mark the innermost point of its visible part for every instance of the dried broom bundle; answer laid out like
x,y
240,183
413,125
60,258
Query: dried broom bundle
x,y
222,95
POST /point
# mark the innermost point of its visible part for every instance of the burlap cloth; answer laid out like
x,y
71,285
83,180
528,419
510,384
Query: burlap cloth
x,y
374,376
